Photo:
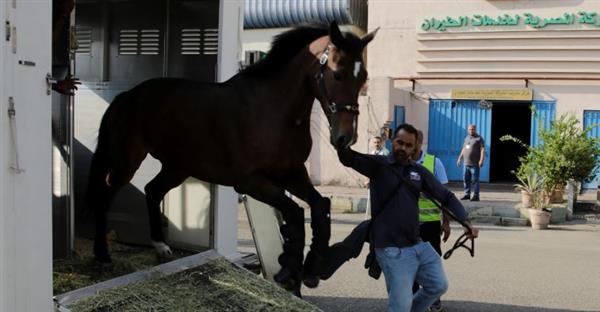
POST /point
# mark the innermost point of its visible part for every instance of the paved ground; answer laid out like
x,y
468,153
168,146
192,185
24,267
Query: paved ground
x,y
514,269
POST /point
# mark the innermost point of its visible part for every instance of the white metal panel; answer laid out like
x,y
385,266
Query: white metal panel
x,y
25,232
188,209
230,26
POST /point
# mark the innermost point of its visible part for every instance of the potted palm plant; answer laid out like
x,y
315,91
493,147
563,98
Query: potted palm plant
x,y
529,182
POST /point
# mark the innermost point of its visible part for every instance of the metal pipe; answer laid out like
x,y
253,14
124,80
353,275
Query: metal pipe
x,y
413,79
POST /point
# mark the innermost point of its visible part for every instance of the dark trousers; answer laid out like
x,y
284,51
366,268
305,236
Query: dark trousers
x,y
431,232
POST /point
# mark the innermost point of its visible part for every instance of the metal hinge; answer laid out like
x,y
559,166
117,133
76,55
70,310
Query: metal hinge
x,y
49,82
12,119
7,30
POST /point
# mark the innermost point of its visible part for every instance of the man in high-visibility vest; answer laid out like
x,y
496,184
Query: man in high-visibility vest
x,y
432,223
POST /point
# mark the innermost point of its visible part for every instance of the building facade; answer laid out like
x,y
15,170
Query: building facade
x,y
442,65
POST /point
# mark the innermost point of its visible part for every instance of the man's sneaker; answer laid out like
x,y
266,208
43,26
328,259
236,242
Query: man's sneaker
x,y
465,197
436,307
475,198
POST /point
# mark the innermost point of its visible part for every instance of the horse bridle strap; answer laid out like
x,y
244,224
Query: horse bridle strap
x,y
333,107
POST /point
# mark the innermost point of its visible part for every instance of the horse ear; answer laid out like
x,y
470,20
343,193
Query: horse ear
x,y
335,34
368,37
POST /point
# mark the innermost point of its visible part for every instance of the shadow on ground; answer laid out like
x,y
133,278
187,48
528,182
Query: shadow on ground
x,y
340,304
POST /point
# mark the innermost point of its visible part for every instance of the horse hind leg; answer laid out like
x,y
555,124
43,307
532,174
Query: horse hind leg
x,y
107,176
156,190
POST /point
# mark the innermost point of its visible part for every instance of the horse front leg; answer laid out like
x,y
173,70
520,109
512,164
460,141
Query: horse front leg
x,y
298,183
264,190
156,190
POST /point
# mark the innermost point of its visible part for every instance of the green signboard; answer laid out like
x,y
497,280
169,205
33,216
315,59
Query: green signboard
x,y
527,19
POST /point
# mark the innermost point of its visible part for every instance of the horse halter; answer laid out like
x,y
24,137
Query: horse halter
x,y
333,106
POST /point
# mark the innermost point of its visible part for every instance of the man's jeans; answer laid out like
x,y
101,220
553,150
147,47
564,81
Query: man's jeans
x,y
402,266
471,180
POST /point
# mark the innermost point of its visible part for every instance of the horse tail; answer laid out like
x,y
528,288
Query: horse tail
x,y
98,180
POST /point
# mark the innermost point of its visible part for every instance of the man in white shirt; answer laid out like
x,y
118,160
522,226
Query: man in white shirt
x,y
379,148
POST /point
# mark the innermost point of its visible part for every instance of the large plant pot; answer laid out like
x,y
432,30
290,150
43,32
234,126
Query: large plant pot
x,y
539,219
526,199
556,197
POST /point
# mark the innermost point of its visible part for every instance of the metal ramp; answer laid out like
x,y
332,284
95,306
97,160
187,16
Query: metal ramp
x,y
265,222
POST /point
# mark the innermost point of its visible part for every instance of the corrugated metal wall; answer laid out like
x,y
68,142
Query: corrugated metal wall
x,y
590,118
448,121
285,13
545,112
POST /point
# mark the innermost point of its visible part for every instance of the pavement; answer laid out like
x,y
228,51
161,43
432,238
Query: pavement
x,y
514,268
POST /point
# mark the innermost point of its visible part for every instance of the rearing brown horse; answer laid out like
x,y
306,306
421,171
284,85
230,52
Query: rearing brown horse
x,y
251,132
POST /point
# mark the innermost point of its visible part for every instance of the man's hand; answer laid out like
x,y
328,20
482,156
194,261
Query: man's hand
x,y
445,229
458,162
481,163
472,232
67,86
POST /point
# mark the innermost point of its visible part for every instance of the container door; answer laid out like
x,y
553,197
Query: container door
x,y
25,157
592,118
448,121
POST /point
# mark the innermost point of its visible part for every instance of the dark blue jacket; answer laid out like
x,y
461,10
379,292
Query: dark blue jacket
x,y
397,223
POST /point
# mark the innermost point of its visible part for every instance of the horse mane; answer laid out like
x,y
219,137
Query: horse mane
x,y
284,47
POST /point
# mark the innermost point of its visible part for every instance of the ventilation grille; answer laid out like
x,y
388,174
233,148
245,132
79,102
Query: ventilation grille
x,y
139,42
83,36
196,41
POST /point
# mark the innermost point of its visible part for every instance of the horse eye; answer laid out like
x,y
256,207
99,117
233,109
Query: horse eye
x,y
337,76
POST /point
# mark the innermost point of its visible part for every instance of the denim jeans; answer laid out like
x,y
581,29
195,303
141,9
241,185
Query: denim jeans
x,y
471,180
402,266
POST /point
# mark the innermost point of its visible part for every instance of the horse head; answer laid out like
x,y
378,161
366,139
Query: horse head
x,y
339,80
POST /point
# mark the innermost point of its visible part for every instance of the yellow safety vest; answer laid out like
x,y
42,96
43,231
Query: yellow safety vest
x,y
428,211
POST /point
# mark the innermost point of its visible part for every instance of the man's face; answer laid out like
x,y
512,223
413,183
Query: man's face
x,y
472,130
404,146
377,143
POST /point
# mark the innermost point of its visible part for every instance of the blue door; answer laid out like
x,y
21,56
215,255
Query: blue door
x,y
399,118
545,112
448,121
591,118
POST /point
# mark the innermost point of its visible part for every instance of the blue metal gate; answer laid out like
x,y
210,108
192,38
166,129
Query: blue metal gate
x,y
448,121
591,118
545,112
399,118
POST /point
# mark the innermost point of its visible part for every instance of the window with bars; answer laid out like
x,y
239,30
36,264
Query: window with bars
x,y
197,41
139,42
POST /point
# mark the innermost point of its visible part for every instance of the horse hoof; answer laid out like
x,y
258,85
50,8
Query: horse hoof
x,y
311,281
296,292
162,248
103,266
286,280
283,276
312,267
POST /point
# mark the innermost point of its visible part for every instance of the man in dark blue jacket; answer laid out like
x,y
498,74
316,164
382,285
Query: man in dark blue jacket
x,y
400,252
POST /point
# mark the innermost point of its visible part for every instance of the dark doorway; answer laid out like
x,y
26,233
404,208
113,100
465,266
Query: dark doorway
x,y
512,118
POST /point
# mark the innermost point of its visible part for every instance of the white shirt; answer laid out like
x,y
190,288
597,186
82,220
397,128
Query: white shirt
x,y
383,151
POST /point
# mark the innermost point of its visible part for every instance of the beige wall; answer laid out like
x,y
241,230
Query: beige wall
x,y
402,49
